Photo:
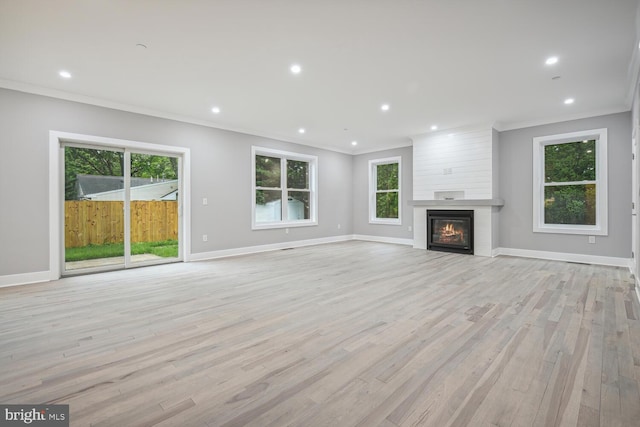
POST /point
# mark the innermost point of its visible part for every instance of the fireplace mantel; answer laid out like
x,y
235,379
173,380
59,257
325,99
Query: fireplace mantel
x,y
458,202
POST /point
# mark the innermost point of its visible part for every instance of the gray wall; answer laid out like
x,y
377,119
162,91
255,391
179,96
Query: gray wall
x,y
220,171
361,195
516,171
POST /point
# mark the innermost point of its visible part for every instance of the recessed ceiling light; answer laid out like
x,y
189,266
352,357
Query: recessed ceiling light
x,y
354,142
551,60
569,101
384,107
65,74
434,127
301,130
295,69
215,110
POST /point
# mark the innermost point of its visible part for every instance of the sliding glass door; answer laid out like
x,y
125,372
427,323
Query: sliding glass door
x,y
153,208
93,208
121,208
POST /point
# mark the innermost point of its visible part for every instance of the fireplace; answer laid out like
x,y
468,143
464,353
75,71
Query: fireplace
x,y
450,231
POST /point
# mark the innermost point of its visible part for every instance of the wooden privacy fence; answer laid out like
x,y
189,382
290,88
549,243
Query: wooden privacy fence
x,y
92,222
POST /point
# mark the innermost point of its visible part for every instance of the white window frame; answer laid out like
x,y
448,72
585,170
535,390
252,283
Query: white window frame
x,y
539,143
313,188
57,141
373,177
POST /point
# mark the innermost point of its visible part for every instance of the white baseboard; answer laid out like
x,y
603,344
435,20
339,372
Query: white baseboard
x,y
24,279
393,240
44,276
562,256
223,253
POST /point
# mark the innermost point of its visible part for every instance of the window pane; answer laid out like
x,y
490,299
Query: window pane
x,y
387,205
268,205
387,176
298,205
267,171
570,204
572,161
154,219
297,174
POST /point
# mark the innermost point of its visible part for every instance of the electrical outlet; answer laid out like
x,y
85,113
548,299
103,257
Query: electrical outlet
x,y
286,230
339,226
410,228
592,239
204,238
205,202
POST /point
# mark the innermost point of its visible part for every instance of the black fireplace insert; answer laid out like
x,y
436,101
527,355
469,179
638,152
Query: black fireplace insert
x,y
450,231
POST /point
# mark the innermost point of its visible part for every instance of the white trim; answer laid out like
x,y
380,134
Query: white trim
x,y
126,175
56,156
539,143
373,164
313,188
388,146
223,253
563,256
380,239
24,278
503,127
89,100
184,206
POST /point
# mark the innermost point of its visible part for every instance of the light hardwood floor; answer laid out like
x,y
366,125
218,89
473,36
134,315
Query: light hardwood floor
x,y
347,334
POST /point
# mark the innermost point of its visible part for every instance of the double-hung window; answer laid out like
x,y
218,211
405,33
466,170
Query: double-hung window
x,y
284,189
384,191
570,183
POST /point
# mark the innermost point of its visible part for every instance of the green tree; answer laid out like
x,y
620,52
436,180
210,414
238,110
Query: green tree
x,y
297,174
267,175
111,163
570,162
387,203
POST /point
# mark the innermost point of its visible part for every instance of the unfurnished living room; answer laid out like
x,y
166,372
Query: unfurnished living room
x,y
330,213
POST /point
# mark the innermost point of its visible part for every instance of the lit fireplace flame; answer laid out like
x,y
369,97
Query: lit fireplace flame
x,y
450,234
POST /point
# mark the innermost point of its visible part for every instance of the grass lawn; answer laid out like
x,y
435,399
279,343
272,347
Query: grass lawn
x,y
165,249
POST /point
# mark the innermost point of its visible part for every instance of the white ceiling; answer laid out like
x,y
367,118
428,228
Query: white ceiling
x,y
446,62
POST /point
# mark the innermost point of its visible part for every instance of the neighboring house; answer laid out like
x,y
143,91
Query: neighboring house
x,y
270,211
141,189
92,184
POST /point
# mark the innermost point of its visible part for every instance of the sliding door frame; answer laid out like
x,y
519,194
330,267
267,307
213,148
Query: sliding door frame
x,y
57,141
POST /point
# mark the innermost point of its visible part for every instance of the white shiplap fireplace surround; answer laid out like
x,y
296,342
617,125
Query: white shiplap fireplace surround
x,y
456,170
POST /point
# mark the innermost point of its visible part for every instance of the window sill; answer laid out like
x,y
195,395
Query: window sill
x,y
385,221
292,224
577,230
